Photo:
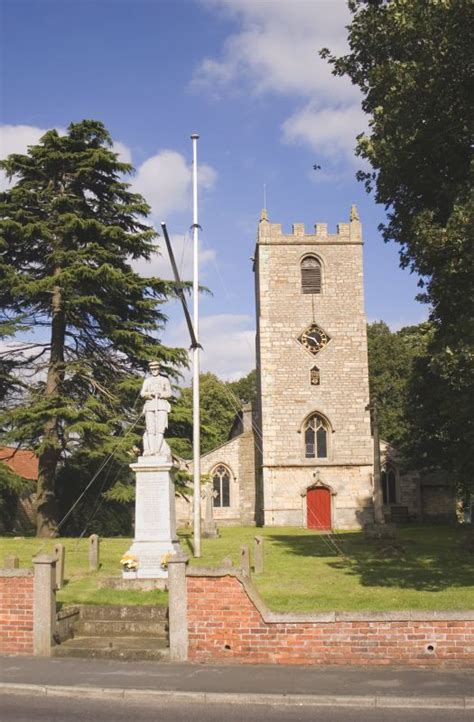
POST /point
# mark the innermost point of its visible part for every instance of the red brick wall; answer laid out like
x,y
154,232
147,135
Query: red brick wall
x,y
225,624
16,612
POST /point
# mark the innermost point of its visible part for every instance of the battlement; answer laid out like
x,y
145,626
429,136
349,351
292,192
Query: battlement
x,y
272,233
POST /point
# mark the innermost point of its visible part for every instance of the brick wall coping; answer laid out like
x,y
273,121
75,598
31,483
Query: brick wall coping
x,y
16,572
308,617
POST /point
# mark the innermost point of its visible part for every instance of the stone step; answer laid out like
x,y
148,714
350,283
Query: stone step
x,y
136,613
121,628
125,648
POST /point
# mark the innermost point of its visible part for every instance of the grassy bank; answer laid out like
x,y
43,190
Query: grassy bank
x,y
81,586
425,568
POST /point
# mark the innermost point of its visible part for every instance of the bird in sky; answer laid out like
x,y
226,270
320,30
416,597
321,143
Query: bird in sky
x,y
316,166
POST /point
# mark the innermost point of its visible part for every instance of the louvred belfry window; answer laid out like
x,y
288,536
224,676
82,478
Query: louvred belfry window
x,y
310,275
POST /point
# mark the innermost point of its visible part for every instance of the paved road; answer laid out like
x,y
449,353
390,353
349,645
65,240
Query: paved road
x,y
23,709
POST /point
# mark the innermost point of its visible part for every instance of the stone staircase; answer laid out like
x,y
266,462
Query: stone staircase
x,y
118,632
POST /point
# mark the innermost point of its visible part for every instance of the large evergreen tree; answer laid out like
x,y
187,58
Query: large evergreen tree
x,y
412,60
69,229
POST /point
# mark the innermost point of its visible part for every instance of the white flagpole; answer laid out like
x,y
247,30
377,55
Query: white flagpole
x,y
196,415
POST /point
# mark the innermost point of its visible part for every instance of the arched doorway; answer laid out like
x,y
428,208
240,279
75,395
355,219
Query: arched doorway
x,y
318,508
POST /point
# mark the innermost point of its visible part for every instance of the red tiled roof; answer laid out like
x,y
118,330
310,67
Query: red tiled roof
x,y
22,461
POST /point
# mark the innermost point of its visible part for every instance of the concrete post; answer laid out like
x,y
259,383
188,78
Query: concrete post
x,y
258,555
59,553
12,562
44,612
178,607
94,556
245,560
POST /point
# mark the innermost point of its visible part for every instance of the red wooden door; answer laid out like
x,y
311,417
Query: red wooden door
x,y
318,505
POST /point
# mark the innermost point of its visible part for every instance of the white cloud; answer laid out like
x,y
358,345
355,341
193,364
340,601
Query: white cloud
x,y
16,139
276,50
228,342
165,181
124,152
277,47
332,130
159,264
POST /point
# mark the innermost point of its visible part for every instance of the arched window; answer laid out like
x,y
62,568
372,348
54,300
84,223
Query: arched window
x,y
310,275
316,437
388,479
221,485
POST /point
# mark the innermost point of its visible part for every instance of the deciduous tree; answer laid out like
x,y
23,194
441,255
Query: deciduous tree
x,y
412,60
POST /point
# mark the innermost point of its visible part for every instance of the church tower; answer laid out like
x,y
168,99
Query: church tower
x,y
313,444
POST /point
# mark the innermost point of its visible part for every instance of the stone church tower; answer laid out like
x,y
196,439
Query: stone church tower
x,y
314,453
303,455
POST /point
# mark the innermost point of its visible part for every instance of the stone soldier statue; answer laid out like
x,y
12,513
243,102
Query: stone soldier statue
x,y
156,390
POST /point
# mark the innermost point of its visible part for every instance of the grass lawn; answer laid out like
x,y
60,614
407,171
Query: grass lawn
x,y
425,568
81,585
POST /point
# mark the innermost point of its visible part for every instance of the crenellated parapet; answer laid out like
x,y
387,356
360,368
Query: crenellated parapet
x,y
272,233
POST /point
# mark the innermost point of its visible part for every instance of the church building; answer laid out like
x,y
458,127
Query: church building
x,y
304,454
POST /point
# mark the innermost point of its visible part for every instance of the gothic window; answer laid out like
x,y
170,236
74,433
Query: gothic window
x,y
316,437
388,480
221,485
310,275
314,376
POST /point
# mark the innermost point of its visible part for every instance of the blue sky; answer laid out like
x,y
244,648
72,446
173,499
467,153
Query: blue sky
x,y
246,76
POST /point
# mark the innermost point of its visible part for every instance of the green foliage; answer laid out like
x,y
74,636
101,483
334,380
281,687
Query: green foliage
x,y
245,389
121,493
412,61
220,403
11,486
69,229
86,508
392,356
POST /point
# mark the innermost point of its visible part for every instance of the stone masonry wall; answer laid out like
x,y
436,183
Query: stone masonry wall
x,y
287,397
228,621
239,457
16,611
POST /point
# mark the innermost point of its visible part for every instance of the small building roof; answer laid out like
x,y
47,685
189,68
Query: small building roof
x,y
22,462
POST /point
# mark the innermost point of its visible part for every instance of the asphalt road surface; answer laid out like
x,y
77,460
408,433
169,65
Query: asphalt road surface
x,y
21,708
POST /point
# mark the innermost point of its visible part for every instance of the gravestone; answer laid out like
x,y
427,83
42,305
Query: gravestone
x,y
210,530
12,562
258,555
94,552
155,537
245,561
59,555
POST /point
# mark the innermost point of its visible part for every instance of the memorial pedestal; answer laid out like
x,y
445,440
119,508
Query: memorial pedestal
x,y
155,518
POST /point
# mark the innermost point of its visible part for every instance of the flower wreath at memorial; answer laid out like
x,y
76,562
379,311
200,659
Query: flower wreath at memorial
x,y
129,563
165,559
